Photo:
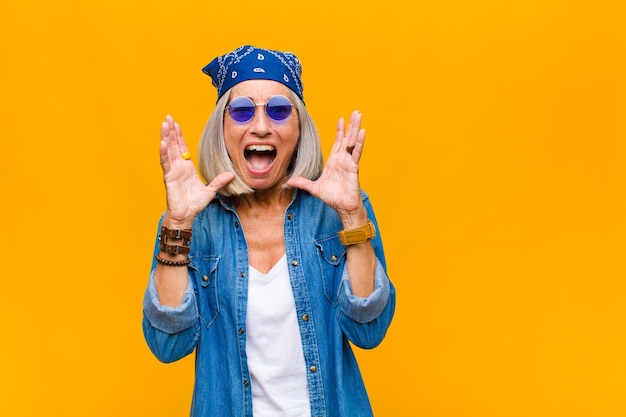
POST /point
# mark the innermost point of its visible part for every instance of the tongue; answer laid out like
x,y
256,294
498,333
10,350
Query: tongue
x,y
259,162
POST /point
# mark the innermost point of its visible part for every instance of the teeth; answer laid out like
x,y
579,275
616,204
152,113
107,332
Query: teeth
x,y
260,148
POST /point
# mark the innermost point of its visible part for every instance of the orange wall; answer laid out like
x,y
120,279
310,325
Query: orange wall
x,y
494,155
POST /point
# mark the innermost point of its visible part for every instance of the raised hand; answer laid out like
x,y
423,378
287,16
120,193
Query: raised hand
x,y
186,194
338,186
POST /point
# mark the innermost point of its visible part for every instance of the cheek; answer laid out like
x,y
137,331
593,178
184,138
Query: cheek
x,y
231,138
291,130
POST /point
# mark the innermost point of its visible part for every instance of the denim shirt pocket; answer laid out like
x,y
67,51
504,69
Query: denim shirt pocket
x,y
204,272
331,255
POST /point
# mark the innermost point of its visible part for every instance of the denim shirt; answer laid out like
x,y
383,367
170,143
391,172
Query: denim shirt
x,y
212,316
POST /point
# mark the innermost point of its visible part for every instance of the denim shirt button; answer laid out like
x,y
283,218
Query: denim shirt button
x,y
294,263
246,383
305,317
242,275
236,224
334,257
313,369
241,331
205,278
290,216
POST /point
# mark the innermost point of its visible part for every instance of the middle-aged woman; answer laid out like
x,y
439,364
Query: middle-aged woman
x,y
272,268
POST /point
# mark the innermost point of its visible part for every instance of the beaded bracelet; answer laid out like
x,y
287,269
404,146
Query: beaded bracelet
x,y
172,263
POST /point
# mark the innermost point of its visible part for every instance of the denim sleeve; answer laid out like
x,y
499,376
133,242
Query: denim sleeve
x,y
171,332
363,310
365,320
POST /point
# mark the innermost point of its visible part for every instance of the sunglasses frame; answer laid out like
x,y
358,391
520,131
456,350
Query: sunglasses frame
x,y
255,105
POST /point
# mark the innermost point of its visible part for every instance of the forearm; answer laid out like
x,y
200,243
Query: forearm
x,y
361,265
171,282
360,258
171,275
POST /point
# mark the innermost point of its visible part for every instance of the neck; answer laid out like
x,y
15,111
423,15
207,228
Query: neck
x,y
277,198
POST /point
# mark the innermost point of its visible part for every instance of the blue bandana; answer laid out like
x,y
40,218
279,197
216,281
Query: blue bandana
x,y
250,63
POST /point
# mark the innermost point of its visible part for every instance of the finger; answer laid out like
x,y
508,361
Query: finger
x,y
337,146
173,136
355,123
166,142
180,140
169,121
168,133
164,130
163,154
358,146
353,131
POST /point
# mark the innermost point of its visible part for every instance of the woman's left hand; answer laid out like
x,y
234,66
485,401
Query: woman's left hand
x,y
338,186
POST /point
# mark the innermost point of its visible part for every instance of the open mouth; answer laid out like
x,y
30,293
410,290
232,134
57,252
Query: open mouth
x,y
260,157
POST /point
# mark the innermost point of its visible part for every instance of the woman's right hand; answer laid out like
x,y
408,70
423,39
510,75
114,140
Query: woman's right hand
x,y
186,194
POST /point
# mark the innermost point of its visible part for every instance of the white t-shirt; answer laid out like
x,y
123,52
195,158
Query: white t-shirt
x,y
273,346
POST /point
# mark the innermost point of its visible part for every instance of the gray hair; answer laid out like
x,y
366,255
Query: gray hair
x,y
213,157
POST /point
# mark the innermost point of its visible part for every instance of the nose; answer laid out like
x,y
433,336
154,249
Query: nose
x,y
260,123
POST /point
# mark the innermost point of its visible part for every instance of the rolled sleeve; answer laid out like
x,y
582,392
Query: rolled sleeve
x,y
170,319
365,309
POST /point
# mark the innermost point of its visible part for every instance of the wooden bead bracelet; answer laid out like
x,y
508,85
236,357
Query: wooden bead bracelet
x,y
172,263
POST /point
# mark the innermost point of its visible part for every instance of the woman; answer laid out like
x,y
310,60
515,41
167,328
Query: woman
x,y
271,270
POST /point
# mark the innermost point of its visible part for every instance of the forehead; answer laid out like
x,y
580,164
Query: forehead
x,y
259,89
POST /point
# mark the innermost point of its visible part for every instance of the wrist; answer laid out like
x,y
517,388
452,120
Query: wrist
x,y
353,219
173,242
173,223
358,235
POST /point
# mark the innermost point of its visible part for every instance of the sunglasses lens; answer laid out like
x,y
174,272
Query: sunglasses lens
x,y
241,109
278,108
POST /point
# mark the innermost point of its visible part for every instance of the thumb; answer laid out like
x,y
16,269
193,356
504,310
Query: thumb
x,y
302,183
220,181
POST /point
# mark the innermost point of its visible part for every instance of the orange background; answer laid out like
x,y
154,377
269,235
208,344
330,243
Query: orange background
x,y
494,157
